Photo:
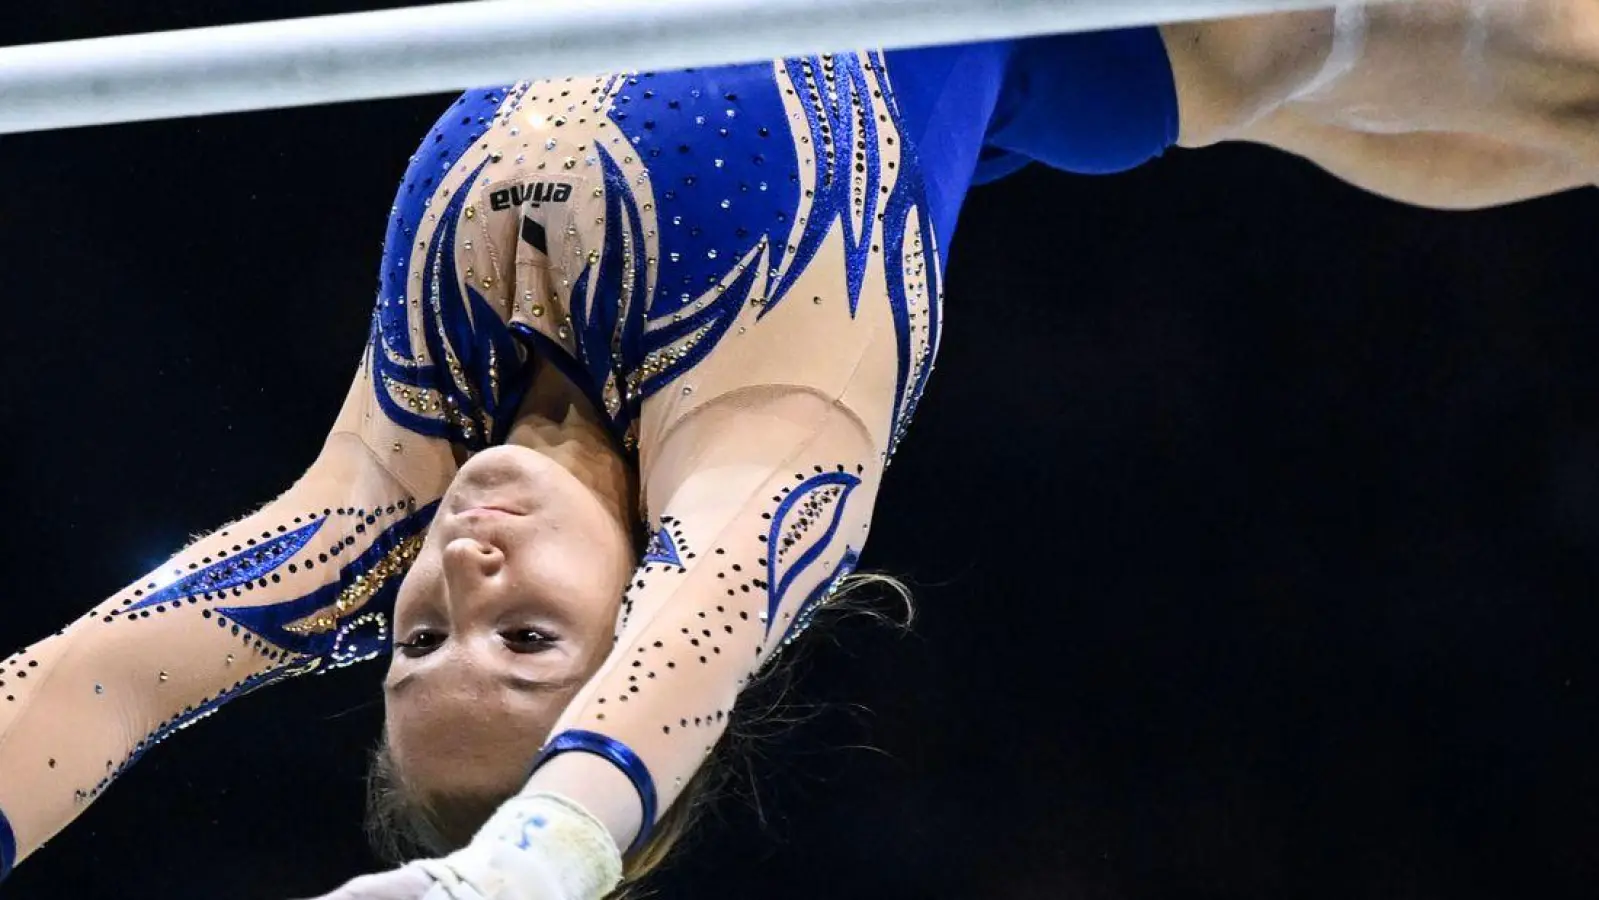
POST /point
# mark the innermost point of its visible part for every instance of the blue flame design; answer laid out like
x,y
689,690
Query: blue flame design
x,y
779,578
247,566
270,622
461,324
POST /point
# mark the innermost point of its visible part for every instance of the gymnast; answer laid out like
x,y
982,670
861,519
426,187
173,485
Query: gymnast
x,y
643,348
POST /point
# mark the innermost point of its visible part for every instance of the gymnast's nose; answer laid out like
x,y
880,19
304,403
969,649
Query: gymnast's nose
x,y
468,560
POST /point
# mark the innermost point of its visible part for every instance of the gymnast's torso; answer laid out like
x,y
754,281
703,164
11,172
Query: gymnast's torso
x,y
630,228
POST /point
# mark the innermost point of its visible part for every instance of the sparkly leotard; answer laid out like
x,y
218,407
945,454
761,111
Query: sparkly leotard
x,y
741,267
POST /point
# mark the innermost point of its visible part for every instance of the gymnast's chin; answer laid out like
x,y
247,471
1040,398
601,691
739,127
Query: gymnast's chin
x,y
509,609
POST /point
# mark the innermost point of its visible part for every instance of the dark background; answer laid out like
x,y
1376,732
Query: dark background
x,y
1253,523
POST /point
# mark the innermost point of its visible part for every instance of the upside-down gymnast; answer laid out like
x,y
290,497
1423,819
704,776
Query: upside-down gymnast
x,y
643,348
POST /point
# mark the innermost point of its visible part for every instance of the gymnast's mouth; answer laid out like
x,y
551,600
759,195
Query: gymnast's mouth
x,y
488,512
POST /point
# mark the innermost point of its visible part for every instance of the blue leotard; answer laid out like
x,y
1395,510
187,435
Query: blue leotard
x,y
1086,103
715,145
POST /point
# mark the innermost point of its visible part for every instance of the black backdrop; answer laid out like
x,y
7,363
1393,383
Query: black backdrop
x,y
1253,522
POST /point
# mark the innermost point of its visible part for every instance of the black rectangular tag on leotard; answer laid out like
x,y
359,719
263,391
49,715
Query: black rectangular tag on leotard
x,y
534,234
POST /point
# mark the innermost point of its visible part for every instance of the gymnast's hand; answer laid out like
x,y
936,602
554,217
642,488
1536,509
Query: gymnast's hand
x,y
536,847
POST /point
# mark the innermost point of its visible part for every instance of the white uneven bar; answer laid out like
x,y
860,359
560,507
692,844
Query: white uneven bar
x,y
433,49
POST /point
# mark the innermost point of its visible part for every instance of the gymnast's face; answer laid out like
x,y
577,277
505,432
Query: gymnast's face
x,y
508,609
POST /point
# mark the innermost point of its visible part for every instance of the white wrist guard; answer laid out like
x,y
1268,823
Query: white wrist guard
x,y
535,847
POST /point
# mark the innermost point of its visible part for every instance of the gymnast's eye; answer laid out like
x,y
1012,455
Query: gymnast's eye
x,y
421,643
527,640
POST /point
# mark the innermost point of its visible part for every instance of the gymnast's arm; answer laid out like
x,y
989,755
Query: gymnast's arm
x,y
289,589
765,497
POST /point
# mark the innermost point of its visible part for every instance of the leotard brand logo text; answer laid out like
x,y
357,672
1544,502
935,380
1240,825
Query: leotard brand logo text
x,y
535,195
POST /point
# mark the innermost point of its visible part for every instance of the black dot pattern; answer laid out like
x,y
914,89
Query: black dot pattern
x,y
213,624
732,609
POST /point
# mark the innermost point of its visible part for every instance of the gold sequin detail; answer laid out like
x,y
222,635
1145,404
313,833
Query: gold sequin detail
x,y
361,591
415,399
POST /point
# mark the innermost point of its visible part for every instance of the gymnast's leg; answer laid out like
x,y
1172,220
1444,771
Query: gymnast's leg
x,y
1451,104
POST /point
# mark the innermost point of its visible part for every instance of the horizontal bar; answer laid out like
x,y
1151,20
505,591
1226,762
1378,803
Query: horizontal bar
x,y
452,47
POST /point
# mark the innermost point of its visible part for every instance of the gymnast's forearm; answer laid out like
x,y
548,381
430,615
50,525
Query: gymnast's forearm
x,y
285,590
767,511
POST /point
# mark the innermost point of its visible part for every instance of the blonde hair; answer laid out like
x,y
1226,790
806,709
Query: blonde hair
x,y
403,823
